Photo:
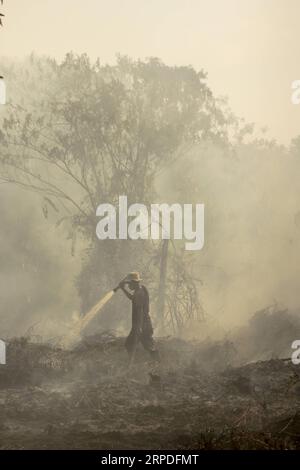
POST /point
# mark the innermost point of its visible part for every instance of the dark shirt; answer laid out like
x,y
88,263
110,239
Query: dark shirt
x,y
140,307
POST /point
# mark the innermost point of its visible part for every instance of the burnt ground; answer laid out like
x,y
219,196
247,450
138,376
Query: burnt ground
x,y
200,398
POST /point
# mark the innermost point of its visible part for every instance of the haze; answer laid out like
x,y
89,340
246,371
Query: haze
x,y
250,49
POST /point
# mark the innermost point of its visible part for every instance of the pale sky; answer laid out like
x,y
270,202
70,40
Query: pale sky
x,y
249,48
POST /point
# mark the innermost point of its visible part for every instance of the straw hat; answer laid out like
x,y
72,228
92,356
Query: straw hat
x,y
134,276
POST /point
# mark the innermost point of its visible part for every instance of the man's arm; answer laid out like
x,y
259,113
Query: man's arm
x,y
128,295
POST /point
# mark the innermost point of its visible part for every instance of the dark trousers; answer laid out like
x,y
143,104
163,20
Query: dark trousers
x,y
144,336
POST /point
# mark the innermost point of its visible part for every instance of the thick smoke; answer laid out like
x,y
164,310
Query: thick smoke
x,y
37,288
252,220
252,211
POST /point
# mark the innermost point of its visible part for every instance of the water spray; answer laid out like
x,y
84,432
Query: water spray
x,y
79,326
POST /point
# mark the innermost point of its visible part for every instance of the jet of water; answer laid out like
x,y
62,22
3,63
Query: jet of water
x,y
71,337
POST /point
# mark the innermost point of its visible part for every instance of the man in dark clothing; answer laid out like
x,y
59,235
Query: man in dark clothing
x,y
141,330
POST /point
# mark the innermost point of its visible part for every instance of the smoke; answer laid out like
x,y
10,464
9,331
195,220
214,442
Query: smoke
x,y
36,285
252,210
250,257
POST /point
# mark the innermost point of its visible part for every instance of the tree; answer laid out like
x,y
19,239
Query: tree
x,y
94,132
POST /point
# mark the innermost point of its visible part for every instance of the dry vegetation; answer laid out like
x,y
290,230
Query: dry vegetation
x,y
202,397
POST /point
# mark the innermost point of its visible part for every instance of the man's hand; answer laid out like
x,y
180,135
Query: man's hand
x,y
121,285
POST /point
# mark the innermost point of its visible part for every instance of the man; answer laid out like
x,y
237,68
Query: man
x,y
141,330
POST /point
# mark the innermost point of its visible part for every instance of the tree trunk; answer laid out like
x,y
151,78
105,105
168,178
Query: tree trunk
x,y
162,285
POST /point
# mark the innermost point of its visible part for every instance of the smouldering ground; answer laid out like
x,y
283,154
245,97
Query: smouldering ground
x,y
86,399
